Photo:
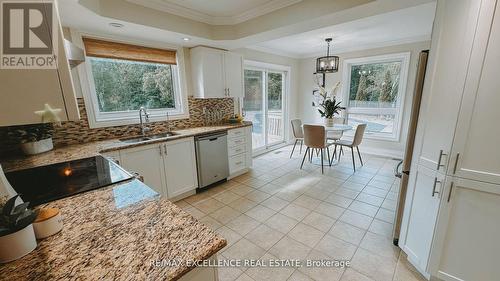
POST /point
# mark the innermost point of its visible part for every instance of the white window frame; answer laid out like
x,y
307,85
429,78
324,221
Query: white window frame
x,y
404,58
99,119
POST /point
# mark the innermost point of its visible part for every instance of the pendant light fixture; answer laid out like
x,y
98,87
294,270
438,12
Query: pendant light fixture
x,y
328,64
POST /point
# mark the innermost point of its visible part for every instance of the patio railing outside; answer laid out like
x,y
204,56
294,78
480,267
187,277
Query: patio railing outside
x,y
275,126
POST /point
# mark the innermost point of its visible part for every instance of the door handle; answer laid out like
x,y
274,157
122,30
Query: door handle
x,y
449,193
456,164
436,181
396,170
440,158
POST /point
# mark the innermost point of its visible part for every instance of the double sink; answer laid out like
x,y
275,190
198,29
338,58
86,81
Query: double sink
x,y
147,138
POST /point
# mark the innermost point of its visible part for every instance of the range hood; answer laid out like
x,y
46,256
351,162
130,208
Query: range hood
x,y
74,54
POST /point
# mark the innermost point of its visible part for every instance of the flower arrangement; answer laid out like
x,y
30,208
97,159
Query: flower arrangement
x,y
327,103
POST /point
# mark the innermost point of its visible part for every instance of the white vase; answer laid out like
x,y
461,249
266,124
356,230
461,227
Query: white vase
x,y
37,147
329,122
17,245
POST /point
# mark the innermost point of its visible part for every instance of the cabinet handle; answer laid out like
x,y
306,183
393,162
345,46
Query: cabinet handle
x,y
161,150
165,149
440,158
449,193
239,163
228,92
456,164
434,187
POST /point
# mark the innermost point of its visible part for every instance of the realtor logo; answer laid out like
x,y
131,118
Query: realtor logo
x,y
28,35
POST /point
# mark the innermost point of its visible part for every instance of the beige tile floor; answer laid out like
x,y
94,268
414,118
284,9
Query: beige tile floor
x,y
277,211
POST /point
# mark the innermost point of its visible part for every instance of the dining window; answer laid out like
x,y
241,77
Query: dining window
x,y
122,78
374,92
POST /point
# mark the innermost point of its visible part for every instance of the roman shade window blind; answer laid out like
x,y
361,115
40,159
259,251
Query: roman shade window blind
x,y
113,50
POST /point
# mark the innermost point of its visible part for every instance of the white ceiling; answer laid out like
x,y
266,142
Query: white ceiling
x,y
398,27
218,12
356,32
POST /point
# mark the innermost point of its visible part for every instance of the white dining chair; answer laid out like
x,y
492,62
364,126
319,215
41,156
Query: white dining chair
x,y
315,139
354,143
298,134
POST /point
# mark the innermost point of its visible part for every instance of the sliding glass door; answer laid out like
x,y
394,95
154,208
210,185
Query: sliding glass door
x,y
263,104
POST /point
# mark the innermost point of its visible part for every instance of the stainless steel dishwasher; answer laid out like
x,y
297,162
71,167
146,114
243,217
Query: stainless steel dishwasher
x,y
211,159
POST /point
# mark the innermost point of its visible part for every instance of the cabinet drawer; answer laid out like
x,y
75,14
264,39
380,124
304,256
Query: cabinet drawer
x,y
233,133
236,141
237,163
238,149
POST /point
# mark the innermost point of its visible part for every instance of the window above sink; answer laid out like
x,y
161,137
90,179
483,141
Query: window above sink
x,y
118,77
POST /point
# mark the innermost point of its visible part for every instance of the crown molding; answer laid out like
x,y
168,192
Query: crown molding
x,y
192,14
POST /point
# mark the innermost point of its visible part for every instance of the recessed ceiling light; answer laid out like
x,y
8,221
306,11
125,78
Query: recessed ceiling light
x,y
186,39
116,24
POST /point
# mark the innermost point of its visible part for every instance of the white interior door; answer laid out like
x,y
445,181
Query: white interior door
x,y
264,105
466,245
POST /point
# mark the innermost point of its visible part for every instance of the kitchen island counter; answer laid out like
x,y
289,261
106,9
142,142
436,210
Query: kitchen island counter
x,y
122,232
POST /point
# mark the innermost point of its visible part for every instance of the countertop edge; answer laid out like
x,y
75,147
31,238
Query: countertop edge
x,y
90,149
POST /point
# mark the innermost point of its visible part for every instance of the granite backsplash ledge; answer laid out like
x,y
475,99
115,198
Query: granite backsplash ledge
x,y
77,132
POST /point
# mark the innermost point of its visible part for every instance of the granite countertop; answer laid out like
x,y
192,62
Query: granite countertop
x,y
80,151
118,232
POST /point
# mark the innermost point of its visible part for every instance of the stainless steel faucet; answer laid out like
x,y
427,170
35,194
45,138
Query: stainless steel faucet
x,y
144,129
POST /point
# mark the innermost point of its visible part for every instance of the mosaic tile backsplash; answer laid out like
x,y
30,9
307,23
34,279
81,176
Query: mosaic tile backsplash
x,y
76,132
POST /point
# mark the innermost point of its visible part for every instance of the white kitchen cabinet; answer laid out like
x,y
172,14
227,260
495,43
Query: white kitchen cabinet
x,y
146,161
475,149
216,73
168,167
459,239
419,220
240,155
26,91
180,167
452,38
233,70
466,246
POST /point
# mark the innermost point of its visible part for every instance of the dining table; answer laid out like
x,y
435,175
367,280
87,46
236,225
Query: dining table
x,y
336,128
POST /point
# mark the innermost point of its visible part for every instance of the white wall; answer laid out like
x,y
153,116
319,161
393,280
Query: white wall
x,y
306,85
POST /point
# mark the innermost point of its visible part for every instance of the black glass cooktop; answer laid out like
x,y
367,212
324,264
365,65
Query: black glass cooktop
x,y
48,183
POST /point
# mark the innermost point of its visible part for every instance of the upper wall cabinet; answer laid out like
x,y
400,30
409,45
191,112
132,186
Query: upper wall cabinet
x,y
216,73
475,153
452,38
24,91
